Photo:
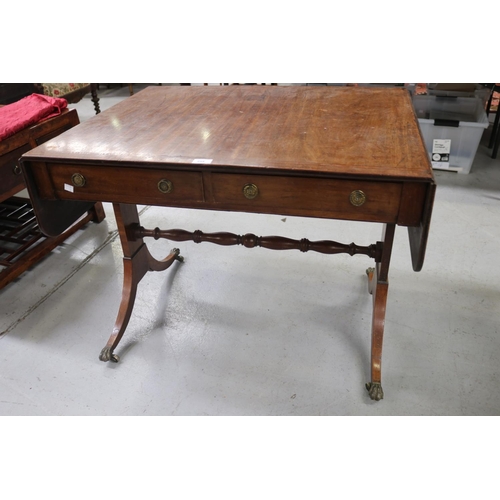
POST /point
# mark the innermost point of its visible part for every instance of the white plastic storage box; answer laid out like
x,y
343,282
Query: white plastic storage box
x,y
452,128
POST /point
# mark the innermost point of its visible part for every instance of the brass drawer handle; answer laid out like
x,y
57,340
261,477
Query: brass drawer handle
x,y
250,191
17,169
78,180
165,186
357,198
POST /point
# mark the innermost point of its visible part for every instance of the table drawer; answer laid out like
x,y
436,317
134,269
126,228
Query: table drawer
x,y
305,196
126,185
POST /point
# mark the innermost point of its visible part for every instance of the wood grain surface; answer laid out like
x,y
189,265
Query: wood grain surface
x,y
326,130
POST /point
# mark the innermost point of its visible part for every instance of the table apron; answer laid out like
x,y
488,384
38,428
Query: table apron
x,y
385,201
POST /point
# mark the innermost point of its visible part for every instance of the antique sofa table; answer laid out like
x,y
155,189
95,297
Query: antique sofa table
x,y
329,152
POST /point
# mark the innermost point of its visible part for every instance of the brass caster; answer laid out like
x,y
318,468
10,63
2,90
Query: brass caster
x,y
107,355
178,255
375,391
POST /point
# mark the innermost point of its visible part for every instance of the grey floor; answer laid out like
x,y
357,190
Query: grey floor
x,y
234,331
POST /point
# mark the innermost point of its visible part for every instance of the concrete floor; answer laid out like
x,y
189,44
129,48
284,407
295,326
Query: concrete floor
x,y
234,331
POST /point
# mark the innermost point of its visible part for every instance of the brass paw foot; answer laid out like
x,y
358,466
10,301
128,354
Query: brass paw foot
x,y
107,355
178,255
375,391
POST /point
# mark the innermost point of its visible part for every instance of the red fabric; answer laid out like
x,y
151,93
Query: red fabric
x,y
28,111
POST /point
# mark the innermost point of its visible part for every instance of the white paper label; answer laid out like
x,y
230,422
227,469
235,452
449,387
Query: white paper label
x,y
69,187
441,153
202,160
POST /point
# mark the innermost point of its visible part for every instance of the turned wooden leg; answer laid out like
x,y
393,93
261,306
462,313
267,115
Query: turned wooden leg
x,y
378,286
95,98
137,261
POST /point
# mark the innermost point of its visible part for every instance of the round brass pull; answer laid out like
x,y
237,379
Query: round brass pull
x,y
17,169
78,180
165,186
250,191
357,198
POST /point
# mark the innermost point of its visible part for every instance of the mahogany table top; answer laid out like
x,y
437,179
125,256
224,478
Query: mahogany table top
x,y
345,131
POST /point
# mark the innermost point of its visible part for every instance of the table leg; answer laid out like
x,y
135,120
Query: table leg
x,y
97,212
378,286
137,261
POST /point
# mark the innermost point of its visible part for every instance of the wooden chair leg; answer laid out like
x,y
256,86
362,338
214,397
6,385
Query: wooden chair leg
x,y
95,98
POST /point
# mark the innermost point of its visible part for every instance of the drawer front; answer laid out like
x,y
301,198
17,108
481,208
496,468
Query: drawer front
x,y
374,201
11,178
126,185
